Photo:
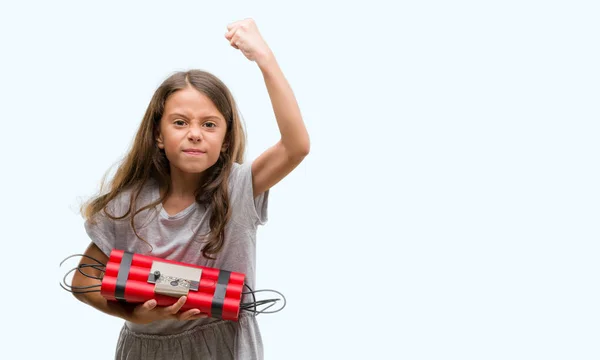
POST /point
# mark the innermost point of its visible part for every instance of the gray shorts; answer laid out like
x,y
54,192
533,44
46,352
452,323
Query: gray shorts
x,y
217,340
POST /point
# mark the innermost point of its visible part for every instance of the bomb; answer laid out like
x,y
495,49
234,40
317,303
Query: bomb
x,y
135,278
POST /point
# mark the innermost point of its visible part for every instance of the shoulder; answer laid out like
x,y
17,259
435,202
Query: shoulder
x,y
239,169
240,177
246,208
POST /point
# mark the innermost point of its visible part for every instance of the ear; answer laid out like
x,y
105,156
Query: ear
x,y
159,141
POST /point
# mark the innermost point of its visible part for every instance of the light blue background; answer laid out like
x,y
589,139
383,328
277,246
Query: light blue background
x,y
449,208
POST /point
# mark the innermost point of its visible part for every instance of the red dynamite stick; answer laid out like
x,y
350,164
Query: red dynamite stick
x,y
128,278
144,261
141,274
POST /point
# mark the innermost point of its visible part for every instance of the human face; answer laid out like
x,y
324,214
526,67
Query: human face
x,y
191,131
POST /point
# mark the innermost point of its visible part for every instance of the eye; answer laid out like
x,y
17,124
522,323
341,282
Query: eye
x,y
179,122
210,124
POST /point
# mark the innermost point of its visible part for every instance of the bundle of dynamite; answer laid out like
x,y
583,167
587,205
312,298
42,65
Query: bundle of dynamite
x,y
136,278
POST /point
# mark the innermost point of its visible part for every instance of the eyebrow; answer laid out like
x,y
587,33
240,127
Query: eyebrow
x,y
186,116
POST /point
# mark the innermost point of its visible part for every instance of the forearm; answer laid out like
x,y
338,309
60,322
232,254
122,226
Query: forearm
x,y
294,135
96,300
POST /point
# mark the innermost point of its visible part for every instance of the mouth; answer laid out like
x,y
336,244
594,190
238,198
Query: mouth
x,y
194,152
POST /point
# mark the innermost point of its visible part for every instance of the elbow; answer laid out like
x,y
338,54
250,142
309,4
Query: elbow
x,y
302,149
298,155
74,285
80,297
76,282
297,151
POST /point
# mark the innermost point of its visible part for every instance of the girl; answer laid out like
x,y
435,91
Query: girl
x,y
183,193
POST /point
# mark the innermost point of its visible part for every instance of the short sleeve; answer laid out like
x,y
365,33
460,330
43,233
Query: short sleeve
x,y
102,230
247,209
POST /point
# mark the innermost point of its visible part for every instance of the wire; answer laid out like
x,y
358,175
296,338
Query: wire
x,y
97,267
79,269
89,257
254,304
76,287
252,292
78,292
101,267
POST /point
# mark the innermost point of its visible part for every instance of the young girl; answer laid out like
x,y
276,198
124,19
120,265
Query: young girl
x,y
183,193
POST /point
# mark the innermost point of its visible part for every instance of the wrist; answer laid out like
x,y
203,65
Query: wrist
x,y
266,60
123,310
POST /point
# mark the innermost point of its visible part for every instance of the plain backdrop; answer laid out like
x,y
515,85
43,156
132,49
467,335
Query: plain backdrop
x,y
449,208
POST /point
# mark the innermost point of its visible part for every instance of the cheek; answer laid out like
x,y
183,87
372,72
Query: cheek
x,y
170,146
171,139
215,139
222,137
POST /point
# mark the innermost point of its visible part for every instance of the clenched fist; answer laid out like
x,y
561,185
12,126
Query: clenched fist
x,y
244,36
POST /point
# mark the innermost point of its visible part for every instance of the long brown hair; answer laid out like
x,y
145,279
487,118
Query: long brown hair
x,y
146,161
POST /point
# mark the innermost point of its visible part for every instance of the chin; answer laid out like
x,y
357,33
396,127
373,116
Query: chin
x,y
194,168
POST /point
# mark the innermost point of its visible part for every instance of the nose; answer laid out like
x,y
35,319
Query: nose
x,y
195,134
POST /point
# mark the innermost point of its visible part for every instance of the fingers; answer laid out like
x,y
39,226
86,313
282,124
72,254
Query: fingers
x,y
142,313
234,42
230,34
192,315
149,305
244,22
234,24
199,316
188,314
173,309
150,311
233,29
232,38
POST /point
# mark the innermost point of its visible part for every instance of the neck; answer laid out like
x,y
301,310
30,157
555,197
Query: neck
x,y
184,185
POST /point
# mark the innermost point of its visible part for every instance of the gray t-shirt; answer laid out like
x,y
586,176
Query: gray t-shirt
x,y
178,237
